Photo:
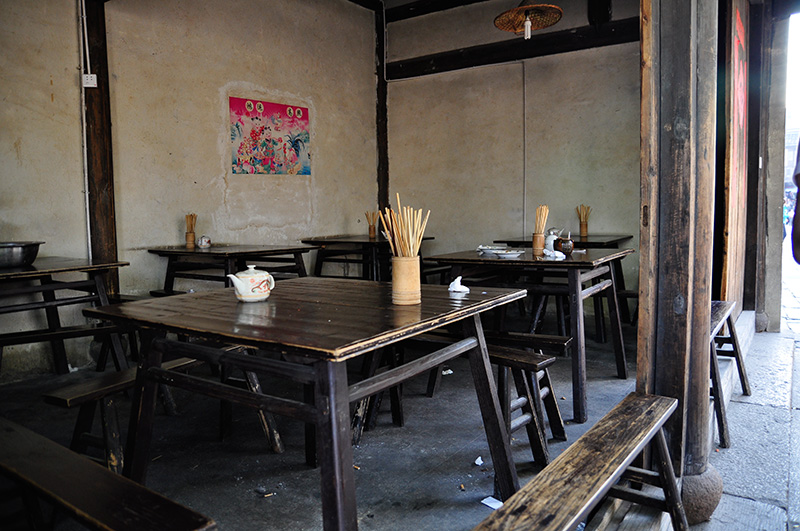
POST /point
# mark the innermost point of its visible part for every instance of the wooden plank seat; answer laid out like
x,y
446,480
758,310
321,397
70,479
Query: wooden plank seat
x,y
562,495
722,315
94,496
100,390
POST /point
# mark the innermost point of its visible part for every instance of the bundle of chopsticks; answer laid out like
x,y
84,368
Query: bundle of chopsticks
x,y
191,220
541,218
404,229
583,213
372,217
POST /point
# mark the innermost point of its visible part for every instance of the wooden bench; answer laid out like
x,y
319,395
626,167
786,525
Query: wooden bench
x,y
516,352
101,390
562,495
721,315
94,496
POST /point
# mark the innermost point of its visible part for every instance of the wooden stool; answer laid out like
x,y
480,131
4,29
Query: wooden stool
x,y
722,314
534,396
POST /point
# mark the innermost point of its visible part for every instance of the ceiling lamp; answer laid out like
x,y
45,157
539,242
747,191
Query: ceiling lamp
x,y
525,18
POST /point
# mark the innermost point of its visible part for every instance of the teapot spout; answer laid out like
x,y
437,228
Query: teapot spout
x,y
237,283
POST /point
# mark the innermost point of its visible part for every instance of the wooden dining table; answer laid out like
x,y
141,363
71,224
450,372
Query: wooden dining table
x,y
193,263
595,265
306,332
37,281
592,241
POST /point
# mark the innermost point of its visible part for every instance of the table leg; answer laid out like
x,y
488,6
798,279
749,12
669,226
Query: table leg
x,y
493,421
576,326
616,326
140,427
54,323
624,310
301,265
169,279
116,345
334,451
230,269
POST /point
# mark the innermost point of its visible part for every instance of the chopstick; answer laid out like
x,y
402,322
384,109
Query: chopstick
x,y
191,220
583,213
404,228
372,217
541,218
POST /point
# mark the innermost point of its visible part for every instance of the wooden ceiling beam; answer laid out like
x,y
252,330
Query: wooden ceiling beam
x,y
583,38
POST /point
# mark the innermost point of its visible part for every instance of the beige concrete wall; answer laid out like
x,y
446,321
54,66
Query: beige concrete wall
x,y
172,65
482,148
41,161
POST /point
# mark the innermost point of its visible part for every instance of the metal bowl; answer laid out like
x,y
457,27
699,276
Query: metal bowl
x,y
18,254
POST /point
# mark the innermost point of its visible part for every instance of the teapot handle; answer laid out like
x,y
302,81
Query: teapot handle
x,y
271,282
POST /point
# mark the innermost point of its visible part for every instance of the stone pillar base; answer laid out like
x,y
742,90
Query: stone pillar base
x,y
700,495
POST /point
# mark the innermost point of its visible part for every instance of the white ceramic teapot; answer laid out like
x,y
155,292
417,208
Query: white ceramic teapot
x,y
252,285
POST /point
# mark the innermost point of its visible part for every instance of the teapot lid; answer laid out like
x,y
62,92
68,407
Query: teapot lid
x,y
251,272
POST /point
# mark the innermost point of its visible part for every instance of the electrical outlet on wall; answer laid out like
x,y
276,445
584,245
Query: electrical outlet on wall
x,y
89,80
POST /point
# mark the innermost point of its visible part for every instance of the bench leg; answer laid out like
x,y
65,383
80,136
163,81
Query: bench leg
x,y
533,425
719,399
111,436
550,402
83,425
737,355
668,482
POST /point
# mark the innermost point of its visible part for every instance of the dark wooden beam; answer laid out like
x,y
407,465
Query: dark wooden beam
x,y
381,114
583,38
374,5
100,169
425,7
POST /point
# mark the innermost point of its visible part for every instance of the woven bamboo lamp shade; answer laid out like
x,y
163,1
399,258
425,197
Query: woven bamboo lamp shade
x,y
525,18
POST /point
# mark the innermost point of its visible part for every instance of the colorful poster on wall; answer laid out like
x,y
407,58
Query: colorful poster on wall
x,y
269,138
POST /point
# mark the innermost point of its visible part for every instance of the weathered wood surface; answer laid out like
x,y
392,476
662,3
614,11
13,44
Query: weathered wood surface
x,y
318,317
591,241
231,250
102,385
51,265
590,259
88,492
562,495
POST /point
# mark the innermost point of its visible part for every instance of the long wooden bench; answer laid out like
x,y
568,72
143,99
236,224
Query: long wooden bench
x,y
96,497
101,390
562,495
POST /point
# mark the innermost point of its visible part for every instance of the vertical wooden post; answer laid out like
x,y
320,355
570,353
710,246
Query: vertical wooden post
x,y
678,95
382,136
102,217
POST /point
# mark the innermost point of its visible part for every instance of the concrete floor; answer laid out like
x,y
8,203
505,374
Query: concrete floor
x,y
423,476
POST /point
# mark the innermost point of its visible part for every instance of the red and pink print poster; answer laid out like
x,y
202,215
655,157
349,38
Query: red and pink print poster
x,y
269,138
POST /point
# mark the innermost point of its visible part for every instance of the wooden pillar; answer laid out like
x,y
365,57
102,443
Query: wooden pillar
x,y
102,217
677,182
381,119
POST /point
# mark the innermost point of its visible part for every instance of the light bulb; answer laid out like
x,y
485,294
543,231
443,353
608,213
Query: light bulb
x,y
527,28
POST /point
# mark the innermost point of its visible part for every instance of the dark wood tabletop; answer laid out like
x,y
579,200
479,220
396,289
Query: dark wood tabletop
x,y
590,259
324,318
592,241
50,265
232,250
